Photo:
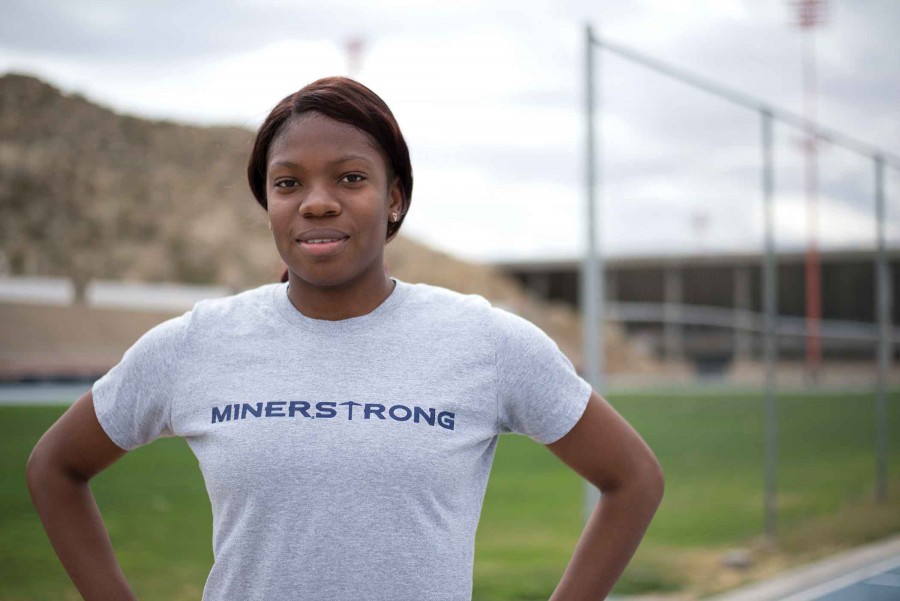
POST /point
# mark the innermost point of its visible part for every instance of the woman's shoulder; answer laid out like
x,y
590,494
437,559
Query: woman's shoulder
x,y
240,305
504,320
493,316
433,296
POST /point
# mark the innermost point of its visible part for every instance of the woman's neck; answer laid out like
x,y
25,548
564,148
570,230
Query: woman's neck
x,y
334,303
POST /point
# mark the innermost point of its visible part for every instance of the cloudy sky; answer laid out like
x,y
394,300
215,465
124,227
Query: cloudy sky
x,y
490,98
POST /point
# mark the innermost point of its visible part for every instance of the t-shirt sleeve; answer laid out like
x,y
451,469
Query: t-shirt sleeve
x,y
539,393
133,400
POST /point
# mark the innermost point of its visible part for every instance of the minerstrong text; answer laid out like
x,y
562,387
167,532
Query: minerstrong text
x,y
330,410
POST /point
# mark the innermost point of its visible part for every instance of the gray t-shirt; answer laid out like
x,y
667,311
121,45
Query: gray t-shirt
x,y
345,459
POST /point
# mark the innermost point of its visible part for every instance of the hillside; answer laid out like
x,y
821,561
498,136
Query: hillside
x,y
88,193
85,192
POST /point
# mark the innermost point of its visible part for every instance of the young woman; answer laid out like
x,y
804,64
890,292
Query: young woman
x,y
345,421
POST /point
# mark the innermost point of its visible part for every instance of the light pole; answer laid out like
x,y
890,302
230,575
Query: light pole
x,y
811,13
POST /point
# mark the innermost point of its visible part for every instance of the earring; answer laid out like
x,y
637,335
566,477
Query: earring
x,y
393,216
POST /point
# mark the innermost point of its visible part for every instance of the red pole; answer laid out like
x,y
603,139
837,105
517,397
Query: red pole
x,y
811,13
813,267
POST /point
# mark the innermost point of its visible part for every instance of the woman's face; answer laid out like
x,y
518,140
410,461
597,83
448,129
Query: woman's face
x,y
326,179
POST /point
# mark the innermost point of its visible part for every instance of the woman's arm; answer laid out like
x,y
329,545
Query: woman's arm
x,y
605,450
68,455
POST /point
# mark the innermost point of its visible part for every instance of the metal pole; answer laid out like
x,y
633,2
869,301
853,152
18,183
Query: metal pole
x,y
883,285
592,268
770,296
750,102
813,273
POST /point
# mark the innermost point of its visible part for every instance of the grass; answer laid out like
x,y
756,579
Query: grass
x,y
710,445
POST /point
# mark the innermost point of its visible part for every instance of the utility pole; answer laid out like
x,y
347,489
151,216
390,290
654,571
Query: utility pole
x,y
810,14
354,47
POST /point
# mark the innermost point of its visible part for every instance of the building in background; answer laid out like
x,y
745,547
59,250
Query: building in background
x,y
707,308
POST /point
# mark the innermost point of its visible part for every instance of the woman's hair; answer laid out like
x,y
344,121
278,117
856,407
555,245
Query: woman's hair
x,y
348,101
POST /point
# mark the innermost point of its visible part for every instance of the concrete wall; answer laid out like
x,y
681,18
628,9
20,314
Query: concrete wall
x,y
729,282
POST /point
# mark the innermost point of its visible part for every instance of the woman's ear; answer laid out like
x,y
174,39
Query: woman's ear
x,y
396,195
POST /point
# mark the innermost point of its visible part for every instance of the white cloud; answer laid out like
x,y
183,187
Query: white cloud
x,y
838,225
489,96
472,215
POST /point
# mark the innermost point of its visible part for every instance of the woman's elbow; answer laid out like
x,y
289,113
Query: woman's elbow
x,y
653,480
36,468
646,480
35,477
643,478
42,467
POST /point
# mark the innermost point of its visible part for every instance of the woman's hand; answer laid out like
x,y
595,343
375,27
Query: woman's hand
x,y
605,450
68,455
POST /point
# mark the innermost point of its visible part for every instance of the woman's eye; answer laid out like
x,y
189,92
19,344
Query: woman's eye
x,y
286,183
350,178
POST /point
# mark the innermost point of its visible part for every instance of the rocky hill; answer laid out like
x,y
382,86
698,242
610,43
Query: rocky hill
x,y
88,193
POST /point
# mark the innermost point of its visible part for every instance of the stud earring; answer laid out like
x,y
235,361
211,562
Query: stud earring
x,y
393,216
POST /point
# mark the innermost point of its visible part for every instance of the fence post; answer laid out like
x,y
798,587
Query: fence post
x,y
770,296
885,349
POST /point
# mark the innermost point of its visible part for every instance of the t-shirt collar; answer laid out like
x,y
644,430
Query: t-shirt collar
x,y
287,309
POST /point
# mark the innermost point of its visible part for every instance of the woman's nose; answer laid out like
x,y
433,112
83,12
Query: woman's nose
x,y
318,202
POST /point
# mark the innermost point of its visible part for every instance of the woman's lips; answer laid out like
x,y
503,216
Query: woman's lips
x,y
322,249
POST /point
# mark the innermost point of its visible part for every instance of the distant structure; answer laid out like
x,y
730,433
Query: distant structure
x,y
354,47
107,294
811,14
706,308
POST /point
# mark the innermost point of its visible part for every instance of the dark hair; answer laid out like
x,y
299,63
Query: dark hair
x,y
346,100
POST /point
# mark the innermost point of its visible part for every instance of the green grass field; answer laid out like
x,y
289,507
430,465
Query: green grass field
x,y
710,446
